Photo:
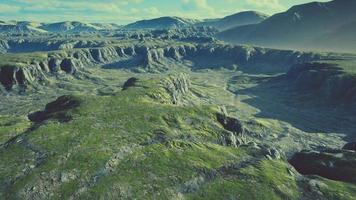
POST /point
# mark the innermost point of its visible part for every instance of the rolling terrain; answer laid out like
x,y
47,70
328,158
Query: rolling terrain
x,y
85,122
163,109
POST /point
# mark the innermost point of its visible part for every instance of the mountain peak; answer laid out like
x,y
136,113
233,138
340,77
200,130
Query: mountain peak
x,y
237,19
165,22
301,26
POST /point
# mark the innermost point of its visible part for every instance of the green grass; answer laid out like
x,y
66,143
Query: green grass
x,y
337,190
264,180
21,59
111,124
110,149
160,171
103,125
12,126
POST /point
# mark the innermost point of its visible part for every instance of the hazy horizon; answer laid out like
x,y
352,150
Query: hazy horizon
x,y
127,11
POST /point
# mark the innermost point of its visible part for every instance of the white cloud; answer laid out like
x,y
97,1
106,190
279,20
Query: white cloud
x,y
124,11
9,8
271,5
197,8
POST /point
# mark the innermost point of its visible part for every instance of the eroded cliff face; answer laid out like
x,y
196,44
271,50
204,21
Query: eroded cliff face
x,y
32,45
328,81
199,56
150,59
11,76
4,46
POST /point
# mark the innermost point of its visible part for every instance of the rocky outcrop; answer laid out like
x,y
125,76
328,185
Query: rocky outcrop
x,y
131,82
4,46
158,59
229,123
332,164
32,44
69,62
234,135
22,76
328,81
177,86
70,65
350,146
56,110
213,56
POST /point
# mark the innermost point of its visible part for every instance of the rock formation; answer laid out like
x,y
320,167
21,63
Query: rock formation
x,y
152,59
327,80
333,164
129,83
177,87
21,76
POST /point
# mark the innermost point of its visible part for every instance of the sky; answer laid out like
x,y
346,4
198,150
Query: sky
x,y
126,11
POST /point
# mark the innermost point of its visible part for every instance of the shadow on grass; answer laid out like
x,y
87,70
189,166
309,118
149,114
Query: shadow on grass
x,y
128,63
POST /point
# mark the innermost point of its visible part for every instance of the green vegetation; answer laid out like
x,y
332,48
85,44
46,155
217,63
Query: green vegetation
x,y
21,59
263,180
11,126
160,137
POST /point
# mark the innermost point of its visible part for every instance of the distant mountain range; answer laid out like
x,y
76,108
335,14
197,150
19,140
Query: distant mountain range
x,y
326,26
162,23
235,20
231,21
18,27
238,19
69,27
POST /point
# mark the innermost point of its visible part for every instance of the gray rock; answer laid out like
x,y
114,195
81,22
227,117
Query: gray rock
x,y
70,65
333,164
177,86
350,146
230,123
273,154
54,64
67,177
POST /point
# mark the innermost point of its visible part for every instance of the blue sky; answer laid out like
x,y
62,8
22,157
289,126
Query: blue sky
x,y
125,11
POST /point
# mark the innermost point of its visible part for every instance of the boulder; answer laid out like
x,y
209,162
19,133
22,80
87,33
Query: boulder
x,y
129,83
230,123
350,146
337,165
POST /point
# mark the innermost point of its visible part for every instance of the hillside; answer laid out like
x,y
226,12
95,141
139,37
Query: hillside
x,y
28,27
19,27
162,109
302,27
69,27
238,19
162,23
